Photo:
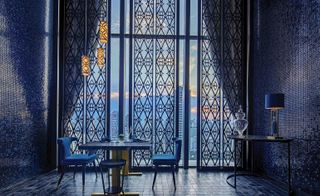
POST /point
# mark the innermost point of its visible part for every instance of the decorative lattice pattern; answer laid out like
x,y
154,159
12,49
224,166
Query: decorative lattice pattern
x,y
96,87
165,17
84,98
154,78
232,77
73,117
143,97
221,79
154,53
144,17
210,87
165,99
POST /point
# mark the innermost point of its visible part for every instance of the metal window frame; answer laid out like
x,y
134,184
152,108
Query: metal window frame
x,y
187,87
199,84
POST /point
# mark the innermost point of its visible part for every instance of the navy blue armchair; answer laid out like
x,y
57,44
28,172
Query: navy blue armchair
x,y
171,160
67,159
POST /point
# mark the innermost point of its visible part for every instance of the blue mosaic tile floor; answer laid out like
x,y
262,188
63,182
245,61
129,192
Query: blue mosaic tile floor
x,y
189,182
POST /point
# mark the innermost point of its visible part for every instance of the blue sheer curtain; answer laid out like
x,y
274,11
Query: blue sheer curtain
x,y
223,28
222,58
73,46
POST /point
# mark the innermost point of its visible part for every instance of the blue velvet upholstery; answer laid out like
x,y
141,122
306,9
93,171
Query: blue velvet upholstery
x,y
178,150
163,159
64,147
171,160
66,158
79,159
168,159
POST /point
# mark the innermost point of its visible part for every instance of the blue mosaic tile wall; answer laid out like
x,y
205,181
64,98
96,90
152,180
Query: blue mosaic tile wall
x,y
286,58
27,88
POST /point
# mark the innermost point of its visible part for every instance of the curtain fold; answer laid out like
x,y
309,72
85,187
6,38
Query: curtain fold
x,y
222,79
72,78
226,37
233,54
96,82
84,98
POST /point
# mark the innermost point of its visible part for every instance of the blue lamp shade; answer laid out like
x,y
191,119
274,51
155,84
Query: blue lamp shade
x,y
274,101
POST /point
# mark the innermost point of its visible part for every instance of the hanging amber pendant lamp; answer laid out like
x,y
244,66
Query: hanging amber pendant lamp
x,y
103,32
85,65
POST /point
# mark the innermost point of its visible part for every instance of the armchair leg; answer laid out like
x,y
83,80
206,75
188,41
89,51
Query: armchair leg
x,y
83,174
61,176
104,189
122,190
74,171
174,180
155,175
108,176
95,168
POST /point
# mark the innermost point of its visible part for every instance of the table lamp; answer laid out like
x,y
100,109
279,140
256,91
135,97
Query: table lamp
x,y
274,102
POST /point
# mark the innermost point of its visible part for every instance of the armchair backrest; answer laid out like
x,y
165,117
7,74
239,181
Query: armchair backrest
x,y
178,150
64,147
105,139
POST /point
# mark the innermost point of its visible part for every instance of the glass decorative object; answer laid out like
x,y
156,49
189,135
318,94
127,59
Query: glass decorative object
x,y
85,65
100,57
239,123
103,32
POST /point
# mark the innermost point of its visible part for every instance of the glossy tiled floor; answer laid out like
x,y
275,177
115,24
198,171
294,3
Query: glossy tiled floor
x,y
189,182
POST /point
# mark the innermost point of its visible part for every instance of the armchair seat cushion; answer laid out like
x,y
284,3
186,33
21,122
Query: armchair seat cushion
x,y
163,159
79,159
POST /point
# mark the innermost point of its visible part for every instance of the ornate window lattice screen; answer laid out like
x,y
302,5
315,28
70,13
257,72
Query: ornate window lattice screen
x,y
154,77
74,45
154,55
84,108
221,79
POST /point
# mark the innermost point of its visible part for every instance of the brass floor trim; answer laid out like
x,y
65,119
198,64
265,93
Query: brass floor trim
x,y
134,174
125,193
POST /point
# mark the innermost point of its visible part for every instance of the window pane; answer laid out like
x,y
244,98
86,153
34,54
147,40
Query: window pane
x,y
127,16
182,21
115,16
114,101
193,103
194,17
181,95
126,87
